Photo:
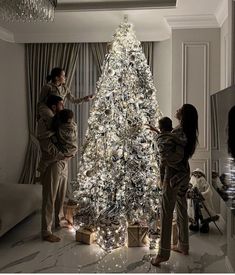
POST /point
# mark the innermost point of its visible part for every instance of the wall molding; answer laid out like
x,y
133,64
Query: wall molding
x,y
215,165
226,60
6,35
228,265
232,40
205,46
222,13
202,164
215,143
192,21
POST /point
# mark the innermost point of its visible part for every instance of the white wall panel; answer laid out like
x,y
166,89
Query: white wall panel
x,y
195,75
195,84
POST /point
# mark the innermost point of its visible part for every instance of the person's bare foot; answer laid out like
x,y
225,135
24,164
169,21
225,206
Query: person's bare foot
x,y
66,225
156,261
182,251
51,238
63,224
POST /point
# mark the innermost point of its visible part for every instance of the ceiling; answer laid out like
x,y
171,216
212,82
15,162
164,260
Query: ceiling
x,y
96,20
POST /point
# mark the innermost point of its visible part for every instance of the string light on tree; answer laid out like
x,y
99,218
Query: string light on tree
x,y
116,181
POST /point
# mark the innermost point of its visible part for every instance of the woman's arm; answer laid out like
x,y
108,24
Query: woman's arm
x,y
72,99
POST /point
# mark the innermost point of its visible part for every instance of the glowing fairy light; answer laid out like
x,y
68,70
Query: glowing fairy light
x,y
116,181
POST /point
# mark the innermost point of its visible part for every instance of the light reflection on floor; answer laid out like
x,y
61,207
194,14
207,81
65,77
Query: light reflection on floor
x,y
22,251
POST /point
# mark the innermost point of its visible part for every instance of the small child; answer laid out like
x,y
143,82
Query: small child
x,y
171,151
63,134
65,128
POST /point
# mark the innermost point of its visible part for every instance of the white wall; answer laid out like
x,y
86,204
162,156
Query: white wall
x,y
195,75
13,117
162,74
224,53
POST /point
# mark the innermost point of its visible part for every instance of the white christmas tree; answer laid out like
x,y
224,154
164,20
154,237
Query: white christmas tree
x,y
116,182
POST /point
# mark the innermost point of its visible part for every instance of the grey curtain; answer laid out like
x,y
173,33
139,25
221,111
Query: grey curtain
x,y
40,59
99,51
148,51
84,83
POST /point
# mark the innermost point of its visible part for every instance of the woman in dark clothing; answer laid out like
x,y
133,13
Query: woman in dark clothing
x,y
175,188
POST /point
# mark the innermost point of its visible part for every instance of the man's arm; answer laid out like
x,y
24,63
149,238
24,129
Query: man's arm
x,y
48,148
50,151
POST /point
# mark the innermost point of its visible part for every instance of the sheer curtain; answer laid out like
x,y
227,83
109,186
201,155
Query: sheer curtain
x,y
88,71
40,59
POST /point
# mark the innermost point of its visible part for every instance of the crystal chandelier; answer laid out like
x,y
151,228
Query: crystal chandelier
x,y
27,10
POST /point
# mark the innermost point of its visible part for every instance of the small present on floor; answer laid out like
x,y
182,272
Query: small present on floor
x,y
137,235
86,236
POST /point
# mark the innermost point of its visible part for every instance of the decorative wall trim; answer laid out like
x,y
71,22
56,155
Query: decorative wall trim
x,y
192,21
6,35
228,265
215,166
200,163
226,77
185,47
222,12
215,144
232,29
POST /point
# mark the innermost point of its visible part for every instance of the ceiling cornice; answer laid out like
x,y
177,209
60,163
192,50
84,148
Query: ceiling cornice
x,y
192,21
116,5
6,35
222,13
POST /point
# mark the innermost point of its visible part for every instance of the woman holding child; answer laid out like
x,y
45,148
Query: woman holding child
x,y
175,183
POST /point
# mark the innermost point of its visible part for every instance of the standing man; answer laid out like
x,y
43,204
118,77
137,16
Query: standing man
x,y
53,176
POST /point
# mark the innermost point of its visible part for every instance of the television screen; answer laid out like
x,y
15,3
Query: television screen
x,y
222,162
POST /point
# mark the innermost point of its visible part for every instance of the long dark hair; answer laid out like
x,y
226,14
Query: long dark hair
x,y
231,132
55,72
189,122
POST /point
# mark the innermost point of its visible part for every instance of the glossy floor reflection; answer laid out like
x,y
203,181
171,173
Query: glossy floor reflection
x,y
22,251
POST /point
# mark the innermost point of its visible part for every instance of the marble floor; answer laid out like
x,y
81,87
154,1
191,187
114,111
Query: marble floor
x,y
22,251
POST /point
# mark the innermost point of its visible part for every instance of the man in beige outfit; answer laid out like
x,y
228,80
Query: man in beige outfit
x,y
54,176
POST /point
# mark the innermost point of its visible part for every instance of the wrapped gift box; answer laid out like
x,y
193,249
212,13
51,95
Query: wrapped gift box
x,y
69,212
137,235
85,236
111,236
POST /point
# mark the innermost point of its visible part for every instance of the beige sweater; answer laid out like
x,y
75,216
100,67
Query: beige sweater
x,y
51,89
50,152
67,138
